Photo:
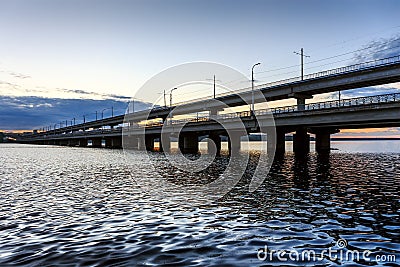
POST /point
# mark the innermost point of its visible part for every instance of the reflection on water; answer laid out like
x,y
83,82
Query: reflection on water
x,y
80,206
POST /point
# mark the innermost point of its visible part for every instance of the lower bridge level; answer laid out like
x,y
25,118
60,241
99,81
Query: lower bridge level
x,y
321,119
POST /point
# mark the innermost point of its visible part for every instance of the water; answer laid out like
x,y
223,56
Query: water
x,y
82,207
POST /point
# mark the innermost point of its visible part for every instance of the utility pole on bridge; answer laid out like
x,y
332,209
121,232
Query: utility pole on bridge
x,y
301,54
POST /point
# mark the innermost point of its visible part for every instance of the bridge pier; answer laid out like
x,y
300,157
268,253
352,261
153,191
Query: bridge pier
x,y
96,142
73,142
149,143
82,142
279,142
214,112
323,139
234,143
188,143
301,99
64,142
214,144
114,142
131,142
301,103
301,141
165,143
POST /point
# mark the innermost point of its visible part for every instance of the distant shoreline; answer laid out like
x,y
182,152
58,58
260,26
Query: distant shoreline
x,y
365,139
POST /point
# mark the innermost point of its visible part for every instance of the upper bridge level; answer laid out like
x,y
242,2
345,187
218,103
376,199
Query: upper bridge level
x,y
376,72
361,112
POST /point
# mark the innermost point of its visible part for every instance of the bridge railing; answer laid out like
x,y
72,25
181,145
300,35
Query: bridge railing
x,y
322,74
333,104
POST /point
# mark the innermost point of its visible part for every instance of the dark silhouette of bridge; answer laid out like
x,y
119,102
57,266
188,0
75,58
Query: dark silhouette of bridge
x,y
322,119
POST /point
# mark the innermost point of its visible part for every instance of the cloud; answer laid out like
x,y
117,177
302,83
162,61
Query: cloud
x,y
378,49
30,112
13,84
16,74
84,94
8,84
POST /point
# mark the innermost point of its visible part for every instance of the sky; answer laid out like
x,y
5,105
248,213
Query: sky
x,y
103,51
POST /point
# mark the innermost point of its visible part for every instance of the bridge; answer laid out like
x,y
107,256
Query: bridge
x,y
321,118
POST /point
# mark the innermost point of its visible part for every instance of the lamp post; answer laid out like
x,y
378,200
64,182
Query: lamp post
x,y
252,88
170,104
170,96
102,112
165,100
215,85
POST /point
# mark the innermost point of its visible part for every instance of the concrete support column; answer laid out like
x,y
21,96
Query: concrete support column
x,y
234,143
323,139
130,142
108,143
141,143
96,142
216,147
82,142
279,142
73,142
301,99
165,143
116,142
301,141
322,142
189,143
301,103
213,113
149,143
64,142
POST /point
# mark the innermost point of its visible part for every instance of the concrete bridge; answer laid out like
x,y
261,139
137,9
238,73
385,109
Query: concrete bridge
x,y
321,119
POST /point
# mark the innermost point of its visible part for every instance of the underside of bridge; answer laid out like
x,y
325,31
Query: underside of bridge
x,y
321,119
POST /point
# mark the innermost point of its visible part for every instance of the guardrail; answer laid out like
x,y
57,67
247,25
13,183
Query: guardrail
x,y
322,74
333,104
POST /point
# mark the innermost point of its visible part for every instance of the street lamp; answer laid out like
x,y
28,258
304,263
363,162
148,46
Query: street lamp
x,y
112,112
252,88
170,104
102,112
170,96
